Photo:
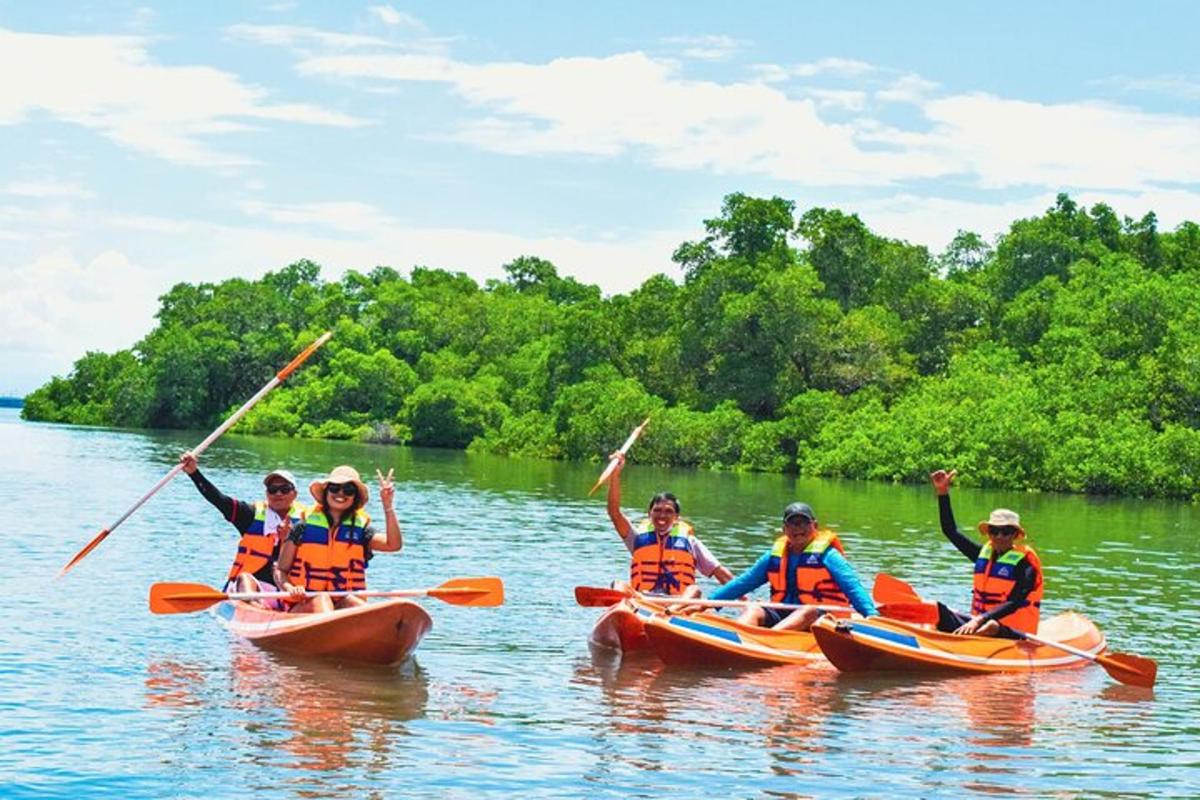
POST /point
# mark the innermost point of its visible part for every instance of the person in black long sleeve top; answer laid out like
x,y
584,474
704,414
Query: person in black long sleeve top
x,y
1008,574
263,525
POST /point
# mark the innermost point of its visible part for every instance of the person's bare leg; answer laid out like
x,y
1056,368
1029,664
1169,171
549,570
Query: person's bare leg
x,y
799,620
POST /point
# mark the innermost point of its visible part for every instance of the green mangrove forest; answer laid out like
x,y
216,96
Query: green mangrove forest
x,y
1064,355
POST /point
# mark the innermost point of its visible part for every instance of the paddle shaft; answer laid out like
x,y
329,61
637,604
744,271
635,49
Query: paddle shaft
x,y
623,449
279,378
363,593
734,603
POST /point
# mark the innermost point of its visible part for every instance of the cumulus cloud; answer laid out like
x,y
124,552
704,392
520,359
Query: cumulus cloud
x,y
112,85
59,306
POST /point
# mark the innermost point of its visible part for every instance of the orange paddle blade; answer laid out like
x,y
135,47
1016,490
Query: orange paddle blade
x,y
470,592
87,548
919,613
182,598
594,597
1134,670
888,589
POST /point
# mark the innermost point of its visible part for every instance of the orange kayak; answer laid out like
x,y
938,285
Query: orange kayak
x,y
622,627
884,644
375,633
705,640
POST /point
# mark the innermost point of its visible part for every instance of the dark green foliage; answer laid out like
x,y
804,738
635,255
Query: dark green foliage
x,y
1064,356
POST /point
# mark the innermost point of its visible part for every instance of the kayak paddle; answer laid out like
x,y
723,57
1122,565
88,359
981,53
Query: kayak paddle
x,y
279,378
1123,667
591,596
184,598
612,462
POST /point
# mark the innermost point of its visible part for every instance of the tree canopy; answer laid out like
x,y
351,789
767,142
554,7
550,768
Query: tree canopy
x,y
1065,355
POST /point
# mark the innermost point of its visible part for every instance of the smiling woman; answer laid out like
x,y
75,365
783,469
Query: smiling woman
x,y
331,550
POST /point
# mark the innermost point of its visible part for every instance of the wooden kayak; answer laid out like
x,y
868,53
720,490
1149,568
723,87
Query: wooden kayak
x,y
375,633
884,644
710,640
622,627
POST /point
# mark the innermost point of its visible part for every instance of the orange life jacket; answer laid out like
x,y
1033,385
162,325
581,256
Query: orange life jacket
x,y
331,561
995,579
257,548
814,584
663,564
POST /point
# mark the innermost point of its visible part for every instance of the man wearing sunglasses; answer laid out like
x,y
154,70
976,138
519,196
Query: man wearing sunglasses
x,y
1008,572
264,525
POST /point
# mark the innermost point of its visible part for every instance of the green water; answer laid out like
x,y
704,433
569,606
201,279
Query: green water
x,y
100,698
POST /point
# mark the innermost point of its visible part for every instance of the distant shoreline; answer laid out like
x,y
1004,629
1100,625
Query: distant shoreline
x,y
11,402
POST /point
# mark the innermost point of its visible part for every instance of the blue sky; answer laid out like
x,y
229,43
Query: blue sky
x,y
146,144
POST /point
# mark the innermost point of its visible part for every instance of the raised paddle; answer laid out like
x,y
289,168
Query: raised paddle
x,y
184,598
1123,667
592,596
279,378
612,462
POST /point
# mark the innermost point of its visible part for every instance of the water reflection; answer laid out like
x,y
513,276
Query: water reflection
x,y
316,717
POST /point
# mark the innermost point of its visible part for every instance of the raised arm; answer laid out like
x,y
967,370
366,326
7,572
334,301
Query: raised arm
x,y
620,522
391,539
941,480
238,512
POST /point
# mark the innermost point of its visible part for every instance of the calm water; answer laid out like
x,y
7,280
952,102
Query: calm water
x,y
99,698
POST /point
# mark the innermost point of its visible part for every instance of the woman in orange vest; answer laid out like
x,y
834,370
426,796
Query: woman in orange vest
x,y
665,552
1008,572
263,526
331,550
806,566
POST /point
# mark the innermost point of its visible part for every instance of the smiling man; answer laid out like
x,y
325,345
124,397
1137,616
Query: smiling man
x,y
263,525
805,566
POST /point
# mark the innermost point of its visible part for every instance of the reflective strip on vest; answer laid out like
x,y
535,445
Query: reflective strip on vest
x,y
331,563
814,584
256,548
995,579
664,565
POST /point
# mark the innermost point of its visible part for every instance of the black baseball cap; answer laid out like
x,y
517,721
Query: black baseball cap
x,y
798,510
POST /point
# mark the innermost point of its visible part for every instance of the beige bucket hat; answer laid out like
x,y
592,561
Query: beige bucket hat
x,y
341,474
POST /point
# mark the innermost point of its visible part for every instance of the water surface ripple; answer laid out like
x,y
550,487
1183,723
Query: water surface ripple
x,y
100,698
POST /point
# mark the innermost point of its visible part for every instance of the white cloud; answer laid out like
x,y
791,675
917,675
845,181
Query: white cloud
x,y
345,217
632,104
390,16
704,48
1172,85
907,89
933,221
110,84
1086,145
844,67
302,38
57,307
46,188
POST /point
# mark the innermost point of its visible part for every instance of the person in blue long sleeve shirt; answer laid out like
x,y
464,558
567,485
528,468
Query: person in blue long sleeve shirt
x,y
805,566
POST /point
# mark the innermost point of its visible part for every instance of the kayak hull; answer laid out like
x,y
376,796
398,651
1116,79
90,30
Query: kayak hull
x,y
883,644
710,640
622,628
376,633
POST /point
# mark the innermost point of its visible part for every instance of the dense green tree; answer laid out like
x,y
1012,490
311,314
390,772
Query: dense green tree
x,y
1065,357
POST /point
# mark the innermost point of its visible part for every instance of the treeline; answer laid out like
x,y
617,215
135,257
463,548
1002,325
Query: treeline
x,y
1063,356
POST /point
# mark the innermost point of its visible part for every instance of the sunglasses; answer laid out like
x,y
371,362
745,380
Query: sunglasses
x,y
798,522
280,488
344,489
1001,530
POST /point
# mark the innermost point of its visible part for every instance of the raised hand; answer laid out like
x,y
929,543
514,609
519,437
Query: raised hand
x,y
387,489
942,479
